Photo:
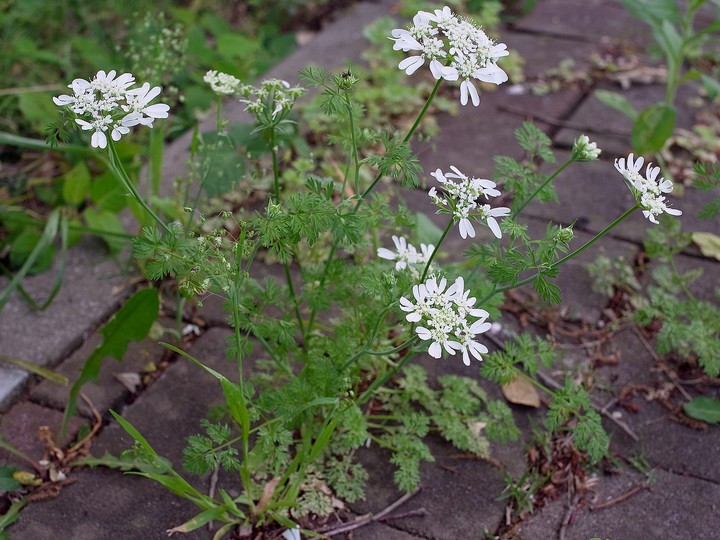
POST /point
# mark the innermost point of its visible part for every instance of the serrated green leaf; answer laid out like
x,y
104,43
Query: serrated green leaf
x,y
708,243
77,184
617,101
652,128
703,408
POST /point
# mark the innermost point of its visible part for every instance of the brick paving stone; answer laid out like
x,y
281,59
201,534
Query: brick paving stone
x,y
674,508
589,20
663,442
593,194
92,289
107,391
166,414
611,129
105,504
18,426
541,53
459,495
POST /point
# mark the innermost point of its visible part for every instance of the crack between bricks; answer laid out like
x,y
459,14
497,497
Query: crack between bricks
x,y
687,474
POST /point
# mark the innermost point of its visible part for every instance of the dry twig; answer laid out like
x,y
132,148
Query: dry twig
x,y
619,499
380,516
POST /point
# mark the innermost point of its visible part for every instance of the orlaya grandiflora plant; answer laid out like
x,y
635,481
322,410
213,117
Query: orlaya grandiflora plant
x,y
338,338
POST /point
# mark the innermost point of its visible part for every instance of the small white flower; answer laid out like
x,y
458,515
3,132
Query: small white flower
x,y
222,83
460,199
406,255
444,314
647,190
139,102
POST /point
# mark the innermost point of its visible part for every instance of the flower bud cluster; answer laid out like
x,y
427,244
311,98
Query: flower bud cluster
x,y
584,150
109,103
407,256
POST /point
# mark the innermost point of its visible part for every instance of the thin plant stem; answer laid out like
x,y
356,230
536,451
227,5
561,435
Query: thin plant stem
x,y
362,197
276,194
437,248
353,139
542,186
407,138
380,381
423,111
119,171
566,258
534,382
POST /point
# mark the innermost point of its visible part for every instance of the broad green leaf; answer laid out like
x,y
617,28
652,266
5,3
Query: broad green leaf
x,y
24,245
12,514
426,232
48,235
653,12
106,221
703,408
108,193
670,41
77,184
712,86
617,101
235,45
708,243
131,323
7,482
37,108
652,128
125,463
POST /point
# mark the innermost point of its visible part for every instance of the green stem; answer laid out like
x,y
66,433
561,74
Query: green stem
x,y
365,351
353,139
424,110
550,178
119,171
535,383
437,248
407,137
362,198
380,381
566,258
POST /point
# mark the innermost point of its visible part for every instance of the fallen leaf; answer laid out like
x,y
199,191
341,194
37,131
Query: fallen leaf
x,y
131,381
268,491
521,392
708,243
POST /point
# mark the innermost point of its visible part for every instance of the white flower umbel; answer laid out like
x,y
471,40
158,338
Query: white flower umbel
x,y
445,317
460,199
406,256
109,103
647,190
455,48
